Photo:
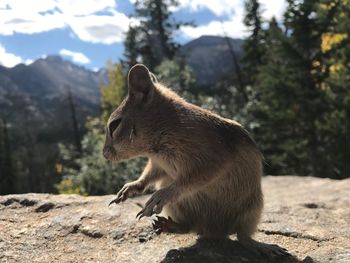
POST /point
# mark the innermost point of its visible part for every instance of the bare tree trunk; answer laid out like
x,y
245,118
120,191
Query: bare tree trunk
x,y
7,175
75,123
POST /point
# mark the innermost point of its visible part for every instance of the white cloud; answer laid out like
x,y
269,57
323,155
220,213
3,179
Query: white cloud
x,y
28,23
28,17
84,7
98,21
8,59
25,7
75,56
100,29
234,9
218,7
232,28
273,8
28,61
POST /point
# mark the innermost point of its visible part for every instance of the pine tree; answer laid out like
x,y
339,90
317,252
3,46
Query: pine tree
x,y
178,76
131,52
289,100
304,48
254,46
274,107
7,175
334,126
2,157
154,36
308,23
75,123
301,116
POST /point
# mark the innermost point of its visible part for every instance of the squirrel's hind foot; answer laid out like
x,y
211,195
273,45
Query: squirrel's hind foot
x,y
167,225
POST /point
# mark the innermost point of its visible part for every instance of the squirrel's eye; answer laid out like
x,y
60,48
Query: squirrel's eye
x,y
113,126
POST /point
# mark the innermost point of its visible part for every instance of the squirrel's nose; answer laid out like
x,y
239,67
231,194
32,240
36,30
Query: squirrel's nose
x,y
108,152
105,153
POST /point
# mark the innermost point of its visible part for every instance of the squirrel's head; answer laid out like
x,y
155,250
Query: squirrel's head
x,y
128,128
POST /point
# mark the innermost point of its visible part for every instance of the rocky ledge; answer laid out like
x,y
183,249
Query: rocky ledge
x,y
310,217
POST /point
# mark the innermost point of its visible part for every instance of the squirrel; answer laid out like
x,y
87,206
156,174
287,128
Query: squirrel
x,y
207,169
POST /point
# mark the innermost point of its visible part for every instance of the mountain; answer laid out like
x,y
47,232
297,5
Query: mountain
x,y
210,57
48,80
38,92
37,105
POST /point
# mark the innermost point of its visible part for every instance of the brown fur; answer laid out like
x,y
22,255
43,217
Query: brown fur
x,y
211,162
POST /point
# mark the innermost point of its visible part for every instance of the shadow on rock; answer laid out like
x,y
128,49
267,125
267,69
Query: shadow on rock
x,y
222,251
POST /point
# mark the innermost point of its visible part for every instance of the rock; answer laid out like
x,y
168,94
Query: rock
x,y
308,216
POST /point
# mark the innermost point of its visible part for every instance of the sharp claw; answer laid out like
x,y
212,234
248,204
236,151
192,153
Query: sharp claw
x,y
156,223
116,200
160,219
111,202
158,231
139,215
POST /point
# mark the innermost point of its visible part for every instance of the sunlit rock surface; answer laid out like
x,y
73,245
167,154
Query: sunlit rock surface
x,y
308,216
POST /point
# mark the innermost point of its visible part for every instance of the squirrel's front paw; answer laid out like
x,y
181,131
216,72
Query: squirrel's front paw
x,y
155,204
128,190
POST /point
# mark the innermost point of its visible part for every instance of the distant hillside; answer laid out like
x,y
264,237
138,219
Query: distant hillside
x,y
210,57
35,106
39,92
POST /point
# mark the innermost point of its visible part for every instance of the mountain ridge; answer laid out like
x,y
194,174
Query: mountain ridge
x,y
211,58
41,88
47,80
208,56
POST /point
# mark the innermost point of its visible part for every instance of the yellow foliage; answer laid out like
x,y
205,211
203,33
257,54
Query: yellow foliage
x,y
327,6
316,63
114,92
331,39
317,67
335,68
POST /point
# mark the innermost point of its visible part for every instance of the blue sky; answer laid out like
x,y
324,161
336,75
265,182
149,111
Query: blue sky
x,y
89,32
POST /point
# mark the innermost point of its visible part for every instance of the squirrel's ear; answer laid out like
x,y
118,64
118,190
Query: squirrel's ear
x,y
139,79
